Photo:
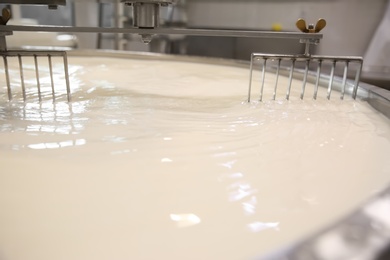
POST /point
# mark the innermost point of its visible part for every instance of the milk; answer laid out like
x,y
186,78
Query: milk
x,y
165,159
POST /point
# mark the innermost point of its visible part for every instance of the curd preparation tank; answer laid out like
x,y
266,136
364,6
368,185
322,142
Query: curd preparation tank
x,y
159,156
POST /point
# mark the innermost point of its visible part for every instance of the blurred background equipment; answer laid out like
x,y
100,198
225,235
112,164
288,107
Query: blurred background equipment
x,y
346,34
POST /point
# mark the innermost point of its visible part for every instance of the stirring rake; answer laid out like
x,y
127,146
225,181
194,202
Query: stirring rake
x,y
37,55
273,63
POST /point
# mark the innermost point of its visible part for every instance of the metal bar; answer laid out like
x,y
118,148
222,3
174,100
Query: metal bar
x,y
357,80
51,77
277,79
250,78
67,77
165,31
290,79
317,79
7,78
338,58
331,80
307,49
31,53
262,79
305,78
37,2
344,83
118,17
37,76
100,24
3,43
312,57
22,77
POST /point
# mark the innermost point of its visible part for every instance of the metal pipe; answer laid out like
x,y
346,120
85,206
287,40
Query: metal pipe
x,y
162,31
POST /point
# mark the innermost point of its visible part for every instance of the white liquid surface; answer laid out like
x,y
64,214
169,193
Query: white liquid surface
x,y
164,160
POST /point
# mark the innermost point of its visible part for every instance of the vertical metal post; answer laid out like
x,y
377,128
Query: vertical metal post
x,y
277,79
51,77
67,76
118,14
7,77
22,77
357,80
290,79
3,48
307,48
317,79
331,79
37,76
263,79
3,43
250,78
305,78
344,80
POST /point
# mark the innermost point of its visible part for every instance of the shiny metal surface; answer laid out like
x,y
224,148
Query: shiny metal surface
x,y
146,13
165,31
333,61
363,235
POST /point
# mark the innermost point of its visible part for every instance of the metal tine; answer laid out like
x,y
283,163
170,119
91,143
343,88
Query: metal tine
x,y
318,77
277,78
290,79
250,77
51,76
65,57
331,79
263,79
37,76
22,77
357,80
344,83
7,78
305,78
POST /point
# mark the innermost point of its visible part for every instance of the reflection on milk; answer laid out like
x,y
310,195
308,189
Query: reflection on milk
x,y
242,191
166,160
185,220
261,226
58,145
163,160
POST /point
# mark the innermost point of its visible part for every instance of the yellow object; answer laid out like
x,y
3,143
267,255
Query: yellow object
x,y
276,27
